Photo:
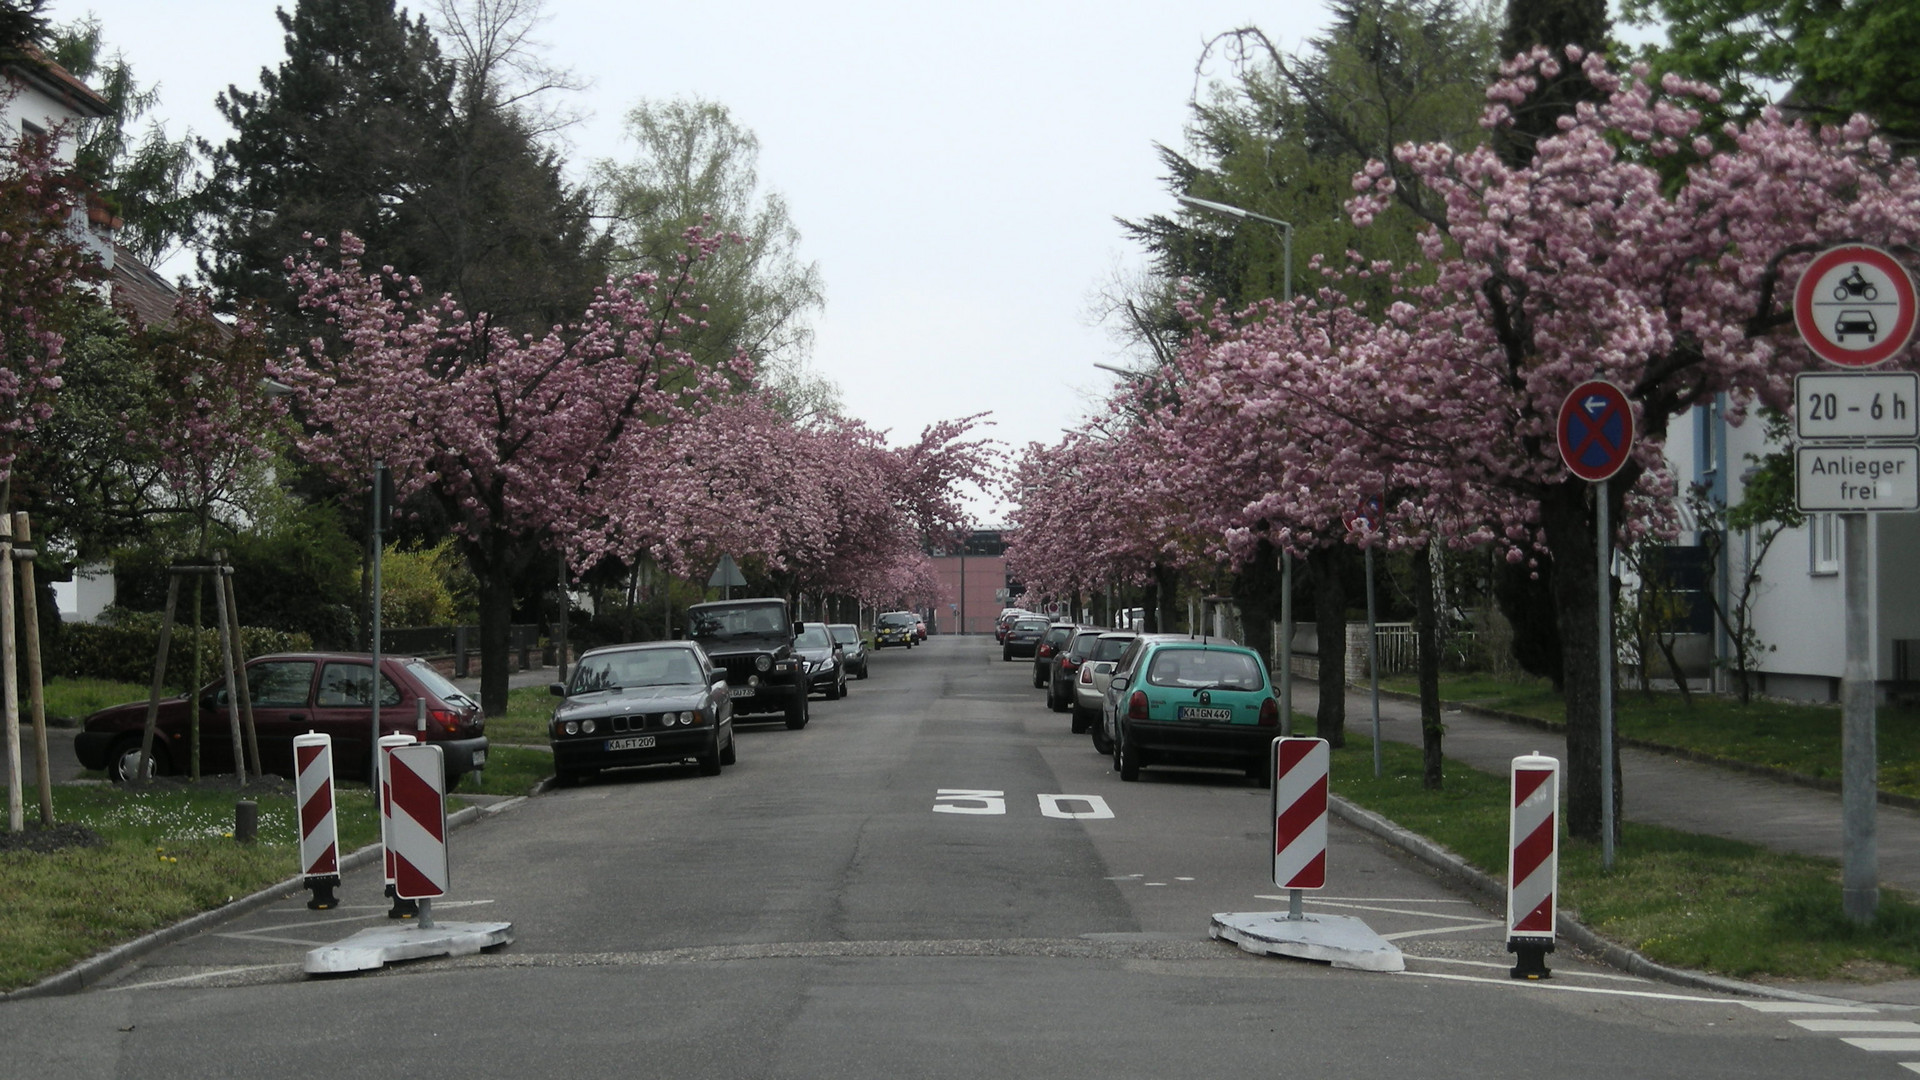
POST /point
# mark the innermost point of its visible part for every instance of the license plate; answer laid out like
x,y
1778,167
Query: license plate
x,y
637,742
1199,712
479,758
739,691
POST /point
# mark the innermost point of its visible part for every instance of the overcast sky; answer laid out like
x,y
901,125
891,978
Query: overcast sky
x,y
954,169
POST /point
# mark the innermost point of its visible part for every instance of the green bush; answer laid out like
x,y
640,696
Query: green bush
x,y
122,648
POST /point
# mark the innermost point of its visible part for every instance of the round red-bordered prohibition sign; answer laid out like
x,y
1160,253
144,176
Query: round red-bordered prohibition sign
x,y
1595,430
1854,306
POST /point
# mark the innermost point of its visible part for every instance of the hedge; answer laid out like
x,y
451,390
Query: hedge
x,y
124,648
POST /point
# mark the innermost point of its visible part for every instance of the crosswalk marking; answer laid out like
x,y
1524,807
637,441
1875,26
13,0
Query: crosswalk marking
x,y
1886,1046
1862,1027
1808,1007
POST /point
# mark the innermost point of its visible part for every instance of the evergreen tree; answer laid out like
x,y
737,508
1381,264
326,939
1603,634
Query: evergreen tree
x,y
346,134
1554,25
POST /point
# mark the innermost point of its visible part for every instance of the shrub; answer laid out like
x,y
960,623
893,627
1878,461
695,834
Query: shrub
x,y
123,645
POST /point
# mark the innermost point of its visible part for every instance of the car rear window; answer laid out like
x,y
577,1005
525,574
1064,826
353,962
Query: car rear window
x,y
437,684
846,635
1205,669
1110,648
1025,625
1082,645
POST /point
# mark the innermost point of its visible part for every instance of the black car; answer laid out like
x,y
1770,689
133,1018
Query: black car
x,y
753,641
653,704
1050,646
894,628
826,671
1024,636
852,648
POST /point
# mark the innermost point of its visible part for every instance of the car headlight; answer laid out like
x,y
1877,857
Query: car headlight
x,y
586,727
762,662
570,727
686,718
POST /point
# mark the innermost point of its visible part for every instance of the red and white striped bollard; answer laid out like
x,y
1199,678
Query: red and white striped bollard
x,y
1299,816
319,833
1533,863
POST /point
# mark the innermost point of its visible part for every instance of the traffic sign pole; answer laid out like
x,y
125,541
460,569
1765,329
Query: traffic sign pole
x,y
1860,854
1603,543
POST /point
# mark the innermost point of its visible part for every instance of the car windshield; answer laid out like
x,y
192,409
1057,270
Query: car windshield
x,y
846,635
1110,648
629,668
813,637
895,619
1205,669
732,620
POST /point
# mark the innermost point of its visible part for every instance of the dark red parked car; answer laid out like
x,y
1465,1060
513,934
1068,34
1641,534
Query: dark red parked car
x,y
294,693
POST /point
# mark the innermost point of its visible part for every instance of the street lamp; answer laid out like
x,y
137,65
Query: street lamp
x,y
1286,235
1286,556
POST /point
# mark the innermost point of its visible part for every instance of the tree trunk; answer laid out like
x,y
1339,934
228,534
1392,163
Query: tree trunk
x,y
1326,564
1566,515
1426,613
1525,592
1167,587
496,626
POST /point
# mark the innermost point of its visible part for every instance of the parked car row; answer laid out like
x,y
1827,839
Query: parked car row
x,y
622,705
1159,699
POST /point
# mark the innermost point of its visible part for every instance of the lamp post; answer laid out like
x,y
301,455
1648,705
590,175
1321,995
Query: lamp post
x,y
1286,235
1286,557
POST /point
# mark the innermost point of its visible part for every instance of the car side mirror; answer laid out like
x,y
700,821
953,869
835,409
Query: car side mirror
x,y
1119,683
719,678
557,689
799,628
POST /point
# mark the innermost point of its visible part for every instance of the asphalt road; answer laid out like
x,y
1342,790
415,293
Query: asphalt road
x,y
812,913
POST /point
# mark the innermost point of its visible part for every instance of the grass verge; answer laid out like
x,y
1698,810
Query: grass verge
x,y
168,854
1689,901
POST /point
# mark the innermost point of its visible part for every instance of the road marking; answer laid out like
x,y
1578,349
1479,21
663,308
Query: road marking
x,y
1096,806
262,935
1886,1046
1379,900
1431,931
990,802
1861,1027
1806,1007
1534,984
200,977
1565,973
1375,907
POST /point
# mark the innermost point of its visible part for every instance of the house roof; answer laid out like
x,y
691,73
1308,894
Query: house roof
x,y
32,66
138,288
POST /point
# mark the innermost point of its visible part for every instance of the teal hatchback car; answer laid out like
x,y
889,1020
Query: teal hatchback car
x,y
1188,701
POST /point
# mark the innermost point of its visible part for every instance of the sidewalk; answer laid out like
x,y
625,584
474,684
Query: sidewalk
x,y
1660,789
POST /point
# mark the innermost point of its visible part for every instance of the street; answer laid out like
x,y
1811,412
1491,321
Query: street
x,y
923,882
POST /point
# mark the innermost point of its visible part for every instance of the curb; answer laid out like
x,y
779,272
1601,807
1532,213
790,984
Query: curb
x,y
1765,772
95,968
1607,952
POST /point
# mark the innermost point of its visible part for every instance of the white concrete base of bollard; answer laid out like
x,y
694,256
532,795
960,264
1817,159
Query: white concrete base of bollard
x,y
380,945
1340,940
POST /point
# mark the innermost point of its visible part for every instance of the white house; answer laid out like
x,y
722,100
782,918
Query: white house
x,y
1799,611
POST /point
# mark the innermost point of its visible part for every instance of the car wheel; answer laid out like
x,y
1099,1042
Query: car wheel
x,y
710,761
1076,719
1006,656
1259,773
569,777
863,670
1126,759
727,755
452,781
834,691
1101,744
1058,702
1039,681
797,712
123,762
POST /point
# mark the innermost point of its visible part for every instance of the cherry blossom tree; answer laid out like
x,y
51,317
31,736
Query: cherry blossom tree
x,y
1583,264
522,442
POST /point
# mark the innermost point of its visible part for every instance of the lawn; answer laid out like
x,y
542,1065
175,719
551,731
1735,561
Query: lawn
x,y
1782,735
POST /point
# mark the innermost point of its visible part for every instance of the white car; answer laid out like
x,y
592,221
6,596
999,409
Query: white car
x,y
1090,685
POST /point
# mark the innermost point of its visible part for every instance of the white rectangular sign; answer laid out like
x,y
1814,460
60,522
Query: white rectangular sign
x,y
1851,479
1856,405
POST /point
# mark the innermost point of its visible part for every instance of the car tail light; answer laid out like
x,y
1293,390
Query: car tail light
x,y
1086,674
1269,713
1066,663
446,718
1137,705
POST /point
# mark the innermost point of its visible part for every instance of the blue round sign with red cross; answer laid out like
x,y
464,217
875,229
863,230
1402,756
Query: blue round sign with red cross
x,y
1595,430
